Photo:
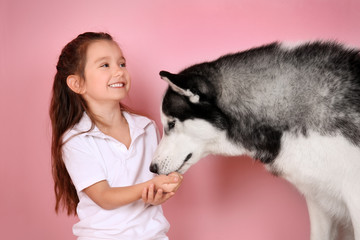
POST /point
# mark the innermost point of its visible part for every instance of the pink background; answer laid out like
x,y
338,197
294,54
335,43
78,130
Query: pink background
x,y
227,198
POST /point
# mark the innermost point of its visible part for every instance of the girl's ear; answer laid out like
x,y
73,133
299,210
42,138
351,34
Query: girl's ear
x,y
74,83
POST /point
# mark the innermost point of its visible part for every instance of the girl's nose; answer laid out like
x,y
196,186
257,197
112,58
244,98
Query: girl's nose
x,y
119,71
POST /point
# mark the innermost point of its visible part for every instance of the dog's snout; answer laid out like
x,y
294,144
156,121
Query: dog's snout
x,y
154,168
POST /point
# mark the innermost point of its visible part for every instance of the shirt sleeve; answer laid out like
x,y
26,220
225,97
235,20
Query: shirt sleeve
x,y
83,164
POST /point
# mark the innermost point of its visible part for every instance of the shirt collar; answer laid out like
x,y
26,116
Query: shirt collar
x,y
137,125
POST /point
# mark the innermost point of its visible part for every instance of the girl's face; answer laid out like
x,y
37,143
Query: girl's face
x,y
106,77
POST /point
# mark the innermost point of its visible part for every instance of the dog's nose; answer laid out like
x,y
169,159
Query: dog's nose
x,y
154,168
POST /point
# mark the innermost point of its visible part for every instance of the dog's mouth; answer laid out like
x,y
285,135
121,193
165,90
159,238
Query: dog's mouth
x,y
179,170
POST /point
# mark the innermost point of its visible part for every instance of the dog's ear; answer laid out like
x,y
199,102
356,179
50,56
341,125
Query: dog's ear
x,y
191,86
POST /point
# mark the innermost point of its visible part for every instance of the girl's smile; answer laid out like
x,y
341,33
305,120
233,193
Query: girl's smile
x,y
116,85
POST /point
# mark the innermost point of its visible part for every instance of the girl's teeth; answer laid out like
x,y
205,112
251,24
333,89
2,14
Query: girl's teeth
x,y
116,85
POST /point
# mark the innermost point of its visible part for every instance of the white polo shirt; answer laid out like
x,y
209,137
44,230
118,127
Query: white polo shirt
x,y
92,157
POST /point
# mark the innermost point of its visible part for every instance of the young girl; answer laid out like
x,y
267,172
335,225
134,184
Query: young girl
x,y
100,152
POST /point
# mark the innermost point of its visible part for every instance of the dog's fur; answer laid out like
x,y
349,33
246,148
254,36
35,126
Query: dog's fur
x,y
297,110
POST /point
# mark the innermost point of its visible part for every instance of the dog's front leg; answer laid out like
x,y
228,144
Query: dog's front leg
x,y
321,225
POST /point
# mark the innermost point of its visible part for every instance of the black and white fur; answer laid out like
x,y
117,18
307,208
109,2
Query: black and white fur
x,y
297,110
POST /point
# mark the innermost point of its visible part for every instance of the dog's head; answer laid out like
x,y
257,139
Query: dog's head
x,y
193,125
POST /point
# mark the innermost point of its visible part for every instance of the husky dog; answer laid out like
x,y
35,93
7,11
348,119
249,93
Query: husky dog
x,y
297,110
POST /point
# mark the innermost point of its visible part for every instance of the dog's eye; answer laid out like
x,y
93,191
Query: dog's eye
x,y
171,124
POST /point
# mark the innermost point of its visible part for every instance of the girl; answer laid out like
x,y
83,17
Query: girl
x,y
100,152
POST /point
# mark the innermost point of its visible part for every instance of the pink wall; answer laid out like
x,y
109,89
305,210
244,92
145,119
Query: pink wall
x,y
231,198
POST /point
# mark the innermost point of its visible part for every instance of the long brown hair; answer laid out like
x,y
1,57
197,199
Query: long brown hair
x,y
66,109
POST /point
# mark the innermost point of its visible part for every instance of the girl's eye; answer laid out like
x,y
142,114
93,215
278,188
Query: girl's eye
x,y
123,65
105,65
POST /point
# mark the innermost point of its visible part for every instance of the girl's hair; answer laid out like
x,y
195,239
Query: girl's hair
x,y
66,109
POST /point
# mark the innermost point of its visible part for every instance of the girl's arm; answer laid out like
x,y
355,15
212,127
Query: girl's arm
x,y
113,197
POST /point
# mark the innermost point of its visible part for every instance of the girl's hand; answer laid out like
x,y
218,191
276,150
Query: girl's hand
x,y
153,197
176,176
161,188
169,183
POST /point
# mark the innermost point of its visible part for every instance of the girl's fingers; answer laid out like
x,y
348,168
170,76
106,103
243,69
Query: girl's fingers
x,y
144,195
151,193
159,195
169,195
175,177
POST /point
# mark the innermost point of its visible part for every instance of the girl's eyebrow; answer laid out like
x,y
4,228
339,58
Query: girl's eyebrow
x,y
101,59
107,58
